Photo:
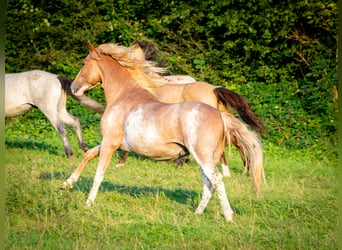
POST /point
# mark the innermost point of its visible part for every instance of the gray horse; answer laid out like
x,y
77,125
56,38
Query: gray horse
x,y
48,93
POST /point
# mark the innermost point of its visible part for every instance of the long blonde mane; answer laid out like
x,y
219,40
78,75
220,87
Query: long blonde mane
x,y
145,73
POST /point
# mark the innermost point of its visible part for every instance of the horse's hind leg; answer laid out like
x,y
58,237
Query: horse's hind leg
x,y
88,156
60,127
74,122
52,114
122,159
208,190
224,165
211,179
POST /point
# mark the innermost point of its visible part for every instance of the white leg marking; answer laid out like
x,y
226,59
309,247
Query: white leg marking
x,y
212,180
225,170
208,191
226,209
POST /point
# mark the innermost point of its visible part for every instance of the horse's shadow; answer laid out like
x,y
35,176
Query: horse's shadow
x,y
53,150
32,144
84,184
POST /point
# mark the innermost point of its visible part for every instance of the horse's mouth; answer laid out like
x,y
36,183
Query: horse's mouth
x,y
81,89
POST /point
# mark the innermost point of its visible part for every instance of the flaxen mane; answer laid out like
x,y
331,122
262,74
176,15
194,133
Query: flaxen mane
x,y
144,72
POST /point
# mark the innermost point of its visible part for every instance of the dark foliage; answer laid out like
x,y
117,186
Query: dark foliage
x,y
281,55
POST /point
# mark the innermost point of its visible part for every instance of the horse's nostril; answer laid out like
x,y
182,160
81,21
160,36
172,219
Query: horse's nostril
x,y
75,87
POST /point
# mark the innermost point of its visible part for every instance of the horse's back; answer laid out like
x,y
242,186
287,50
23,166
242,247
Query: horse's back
x,y
196,91
28,80
201,92
170,93
180,79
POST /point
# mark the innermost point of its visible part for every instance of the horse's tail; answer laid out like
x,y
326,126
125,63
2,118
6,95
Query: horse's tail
x,y
248,145
230,98
83,99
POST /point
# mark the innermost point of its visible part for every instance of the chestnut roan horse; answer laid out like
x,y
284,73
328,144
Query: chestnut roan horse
x,y
181,88
134,120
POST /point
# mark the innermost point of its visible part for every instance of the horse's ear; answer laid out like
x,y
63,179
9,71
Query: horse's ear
x,y
93,53
136,46
138,52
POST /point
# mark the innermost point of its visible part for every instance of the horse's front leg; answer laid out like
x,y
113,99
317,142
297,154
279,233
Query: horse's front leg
x,y
88,156
106,153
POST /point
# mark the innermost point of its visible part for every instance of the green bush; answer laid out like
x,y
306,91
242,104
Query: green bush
x,y
280,55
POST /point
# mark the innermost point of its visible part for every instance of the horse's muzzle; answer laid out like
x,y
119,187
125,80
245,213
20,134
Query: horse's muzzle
x,y
75,89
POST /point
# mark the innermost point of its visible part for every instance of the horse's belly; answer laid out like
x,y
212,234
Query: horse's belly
x,y
145,137
16,110
155,151
151,145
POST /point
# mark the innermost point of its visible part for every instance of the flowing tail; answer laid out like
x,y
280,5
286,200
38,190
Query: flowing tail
x,y
249,147
83,99
230,98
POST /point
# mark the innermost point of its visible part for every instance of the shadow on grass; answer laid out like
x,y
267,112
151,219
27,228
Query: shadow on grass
x,y
56,176
179,195
84,184
32,144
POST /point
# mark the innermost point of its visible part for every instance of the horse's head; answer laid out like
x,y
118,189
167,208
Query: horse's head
x,y
89,75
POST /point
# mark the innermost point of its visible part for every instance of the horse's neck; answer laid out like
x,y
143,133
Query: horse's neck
x,y
118,84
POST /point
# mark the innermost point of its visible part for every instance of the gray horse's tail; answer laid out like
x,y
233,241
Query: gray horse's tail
x,y
83,99
230,98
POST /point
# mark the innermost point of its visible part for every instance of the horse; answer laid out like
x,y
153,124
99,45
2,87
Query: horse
x,y
136,121
47,92
180,88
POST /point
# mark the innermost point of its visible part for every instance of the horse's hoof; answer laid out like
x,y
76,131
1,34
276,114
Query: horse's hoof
x,y
88,203
198,211
228,217
226,174
69,155
84,147
65,186
179,163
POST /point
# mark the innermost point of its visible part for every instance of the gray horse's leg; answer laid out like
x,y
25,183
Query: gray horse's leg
x,y
74,122
52,115
60,127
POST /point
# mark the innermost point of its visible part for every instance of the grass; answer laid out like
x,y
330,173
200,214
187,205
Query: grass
x,y
150,205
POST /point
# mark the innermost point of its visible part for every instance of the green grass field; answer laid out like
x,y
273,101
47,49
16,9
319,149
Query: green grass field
x,y
150,205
